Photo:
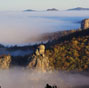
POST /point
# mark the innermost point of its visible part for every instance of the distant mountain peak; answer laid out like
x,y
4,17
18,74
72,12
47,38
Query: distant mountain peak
x,y
79,8
53,9
29,10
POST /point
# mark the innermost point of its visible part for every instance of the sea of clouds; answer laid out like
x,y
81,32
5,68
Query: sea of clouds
x,y
20,78
24,27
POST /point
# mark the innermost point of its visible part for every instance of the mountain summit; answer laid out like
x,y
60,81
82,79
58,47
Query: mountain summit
x,y
53,9
29,10
79,8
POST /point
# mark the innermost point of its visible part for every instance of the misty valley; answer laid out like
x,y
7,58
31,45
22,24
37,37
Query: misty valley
x,y
44,49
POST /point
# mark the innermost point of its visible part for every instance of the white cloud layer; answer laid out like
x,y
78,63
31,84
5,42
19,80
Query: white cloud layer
x,y
18,27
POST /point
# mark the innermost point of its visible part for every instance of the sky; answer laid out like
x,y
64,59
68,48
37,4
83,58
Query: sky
x,y
41,4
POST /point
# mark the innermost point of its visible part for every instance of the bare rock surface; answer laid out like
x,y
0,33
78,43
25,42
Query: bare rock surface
x,y
85,24
39,60
5,61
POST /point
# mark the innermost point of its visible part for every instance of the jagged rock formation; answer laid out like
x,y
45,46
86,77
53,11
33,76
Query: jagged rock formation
x,y
85,24
5,61
39,60
40,50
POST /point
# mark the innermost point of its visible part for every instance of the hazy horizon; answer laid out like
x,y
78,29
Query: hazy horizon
x,y
41,4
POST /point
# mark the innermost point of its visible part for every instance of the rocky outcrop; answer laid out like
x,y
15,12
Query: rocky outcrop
x,y
40,51
85,24
39,61
5,61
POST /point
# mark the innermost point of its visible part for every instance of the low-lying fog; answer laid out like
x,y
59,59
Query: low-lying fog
x,y
20,78
24,27
18,52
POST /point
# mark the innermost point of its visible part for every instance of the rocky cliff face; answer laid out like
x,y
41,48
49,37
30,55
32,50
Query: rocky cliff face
x,y
5,61
85,24
39,60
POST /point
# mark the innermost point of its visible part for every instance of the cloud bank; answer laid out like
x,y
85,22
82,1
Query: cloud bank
x,y
19,78
18,27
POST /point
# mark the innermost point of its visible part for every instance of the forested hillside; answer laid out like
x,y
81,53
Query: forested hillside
x,y
70,52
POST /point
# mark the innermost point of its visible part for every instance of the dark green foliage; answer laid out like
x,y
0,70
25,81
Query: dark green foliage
x,y
20,61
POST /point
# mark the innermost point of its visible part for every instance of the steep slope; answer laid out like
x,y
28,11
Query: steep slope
x,y
70,52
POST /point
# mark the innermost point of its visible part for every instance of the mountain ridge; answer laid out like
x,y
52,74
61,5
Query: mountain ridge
x,y
79,8
29,10
64,53
70,52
